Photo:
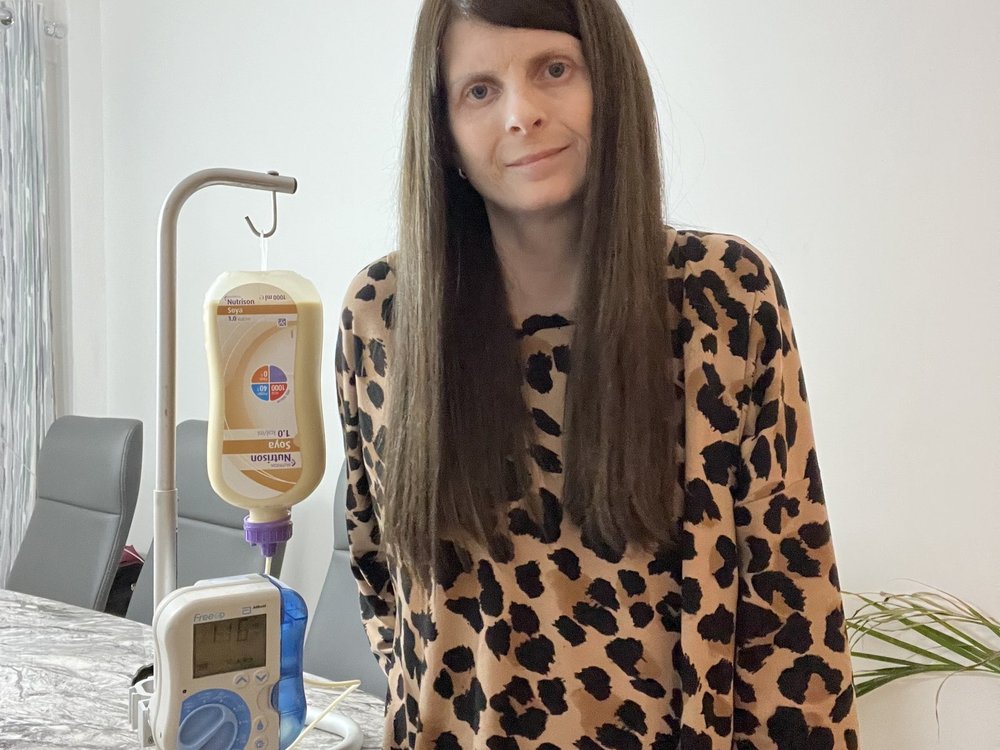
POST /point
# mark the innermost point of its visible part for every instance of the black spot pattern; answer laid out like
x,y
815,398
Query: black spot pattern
x,y
560,640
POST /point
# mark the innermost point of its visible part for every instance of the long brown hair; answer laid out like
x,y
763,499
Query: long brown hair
x,y
458,428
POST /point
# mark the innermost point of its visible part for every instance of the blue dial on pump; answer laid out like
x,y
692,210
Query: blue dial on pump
x,y
216,719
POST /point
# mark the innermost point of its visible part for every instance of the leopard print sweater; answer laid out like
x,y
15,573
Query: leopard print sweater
x,y
736,641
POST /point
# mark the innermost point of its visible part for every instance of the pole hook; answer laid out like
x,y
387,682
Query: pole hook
x,y
274,213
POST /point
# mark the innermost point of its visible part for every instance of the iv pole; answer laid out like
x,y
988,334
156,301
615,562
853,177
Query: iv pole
x,y
165,493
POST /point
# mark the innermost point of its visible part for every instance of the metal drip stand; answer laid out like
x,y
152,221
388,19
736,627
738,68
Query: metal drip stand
x,y
165,492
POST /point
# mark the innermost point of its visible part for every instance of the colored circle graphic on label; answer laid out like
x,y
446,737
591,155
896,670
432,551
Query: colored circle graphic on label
x,y
269,383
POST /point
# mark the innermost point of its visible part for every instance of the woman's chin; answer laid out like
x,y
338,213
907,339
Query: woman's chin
x,y
528,202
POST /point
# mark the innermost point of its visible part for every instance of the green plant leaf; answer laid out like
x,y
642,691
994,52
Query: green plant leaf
x,y
973,653
880,657
909,647
937,616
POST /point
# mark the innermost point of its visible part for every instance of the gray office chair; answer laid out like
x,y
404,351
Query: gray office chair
x,y
210,540
87,482
336,646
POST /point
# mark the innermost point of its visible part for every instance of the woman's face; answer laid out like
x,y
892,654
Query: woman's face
x,y
519,106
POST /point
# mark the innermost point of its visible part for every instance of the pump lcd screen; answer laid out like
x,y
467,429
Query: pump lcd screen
x,y
230,645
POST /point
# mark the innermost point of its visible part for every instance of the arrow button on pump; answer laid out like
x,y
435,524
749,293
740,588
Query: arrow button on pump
x,y
241,680
261,676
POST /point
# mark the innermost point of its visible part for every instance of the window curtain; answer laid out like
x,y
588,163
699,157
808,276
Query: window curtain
x,y
27,398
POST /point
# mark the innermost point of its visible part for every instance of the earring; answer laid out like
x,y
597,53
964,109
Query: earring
x,y
462,174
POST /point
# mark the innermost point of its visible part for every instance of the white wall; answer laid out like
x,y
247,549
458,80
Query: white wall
x,y
76,195
856,145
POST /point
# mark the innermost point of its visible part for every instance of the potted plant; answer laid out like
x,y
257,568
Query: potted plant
x,y
923,632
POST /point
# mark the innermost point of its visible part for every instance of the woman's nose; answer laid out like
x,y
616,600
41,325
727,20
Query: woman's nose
x,y
524,112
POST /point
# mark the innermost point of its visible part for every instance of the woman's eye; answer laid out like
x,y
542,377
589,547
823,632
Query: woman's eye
x,y
480,91
557,70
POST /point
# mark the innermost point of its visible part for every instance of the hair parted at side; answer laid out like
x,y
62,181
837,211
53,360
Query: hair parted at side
x,y
458,429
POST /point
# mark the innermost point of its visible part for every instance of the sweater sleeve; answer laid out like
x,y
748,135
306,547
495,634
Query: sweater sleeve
x,y
368,563
794,678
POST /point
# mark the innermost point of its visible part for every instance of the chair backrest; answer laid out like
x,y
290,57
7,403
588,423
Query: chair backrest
x,y
87,483
336,646
210,539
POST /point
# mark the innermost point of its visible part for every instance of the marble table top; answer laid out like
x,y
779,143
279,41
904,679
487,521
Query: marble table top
x,y
65,674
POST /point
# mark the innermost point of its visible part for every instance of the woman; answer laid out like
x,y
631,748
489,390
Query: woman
x,y
584,507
